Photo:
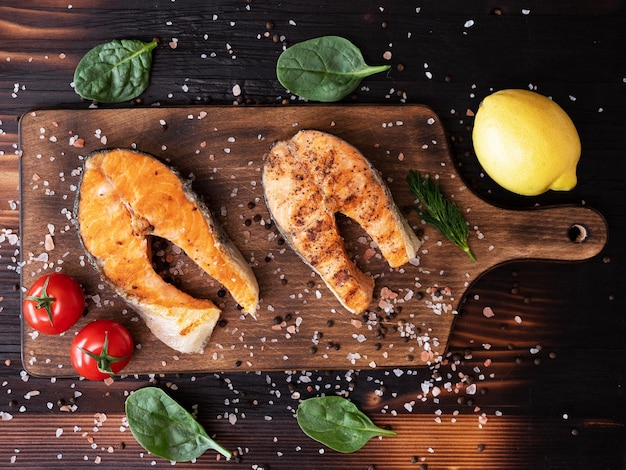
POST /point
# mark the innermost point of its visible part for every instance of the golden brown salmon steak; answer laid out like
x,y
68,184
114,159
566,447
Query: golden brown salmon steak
x,y
126,196
311,177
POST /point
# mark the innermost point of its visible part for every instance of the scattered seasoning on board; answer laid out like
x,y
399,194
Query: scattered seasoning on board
x,y
316,381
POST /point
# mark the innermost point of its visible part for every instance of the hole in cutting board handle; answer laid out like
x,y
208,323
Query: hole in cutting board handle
x,y
577,233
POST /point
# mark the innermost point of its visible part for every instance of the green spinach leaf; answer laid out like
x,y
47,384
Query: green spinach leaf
x,y
115,71
325,69
337,423
166,429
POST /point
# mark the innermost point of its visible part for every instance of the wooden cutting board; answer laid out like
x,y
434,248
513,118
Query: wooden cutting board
x,y
300,324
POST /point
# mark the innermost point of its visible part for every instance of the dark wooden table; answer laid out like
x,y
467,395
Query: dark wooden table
x,y
539,385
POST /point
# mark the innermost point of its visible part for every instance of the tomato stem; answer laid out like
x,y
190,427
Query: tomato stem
x,y
104,360
43,300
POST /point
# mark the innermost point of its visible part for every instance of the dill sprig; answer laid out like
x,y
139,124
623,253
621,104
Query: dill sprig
x,y
439,212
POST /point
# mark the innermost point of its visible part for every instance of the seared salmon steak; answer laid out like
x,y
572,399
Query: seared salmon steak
x,y
311,177
123,199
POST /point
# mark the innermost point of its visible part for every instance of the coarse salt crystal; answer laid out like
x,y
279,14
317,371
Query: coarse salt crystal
x,y
32,393
48,242
360,338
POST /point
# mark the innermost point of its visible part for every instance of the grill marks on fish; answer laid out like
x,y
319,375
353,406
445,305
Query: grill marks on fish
x,y
124,197
311,177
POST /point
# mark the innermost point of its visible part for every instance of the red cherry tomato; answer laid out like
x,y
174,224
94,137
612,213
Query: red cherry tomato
x,y
53,303
101,349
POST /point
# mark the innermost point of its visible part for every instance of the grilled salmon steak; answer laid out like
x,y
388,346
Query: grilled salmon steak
x,y
124,198
311,177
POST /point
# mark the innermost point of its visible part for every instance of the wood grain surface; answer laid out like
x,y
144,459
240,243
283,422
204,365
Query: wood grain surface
x,y
534,375
300,325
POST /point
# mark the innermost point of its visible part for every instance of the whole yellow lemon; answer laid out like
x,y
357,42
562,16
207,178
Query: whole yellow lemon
x,y
526,142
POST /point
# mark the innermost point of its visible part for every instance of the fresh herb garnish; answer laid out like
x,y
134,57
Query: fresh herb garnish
x,y
166,429
115,71
325,69
337,423
439,212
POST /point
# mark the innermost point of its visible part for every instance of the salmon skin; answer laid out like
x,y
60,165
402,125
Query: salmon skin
x,y
311,177
124,198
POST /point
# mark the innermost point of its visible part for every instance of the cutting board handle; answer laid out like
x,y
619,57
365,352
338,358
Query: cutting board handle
x,y
565,233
